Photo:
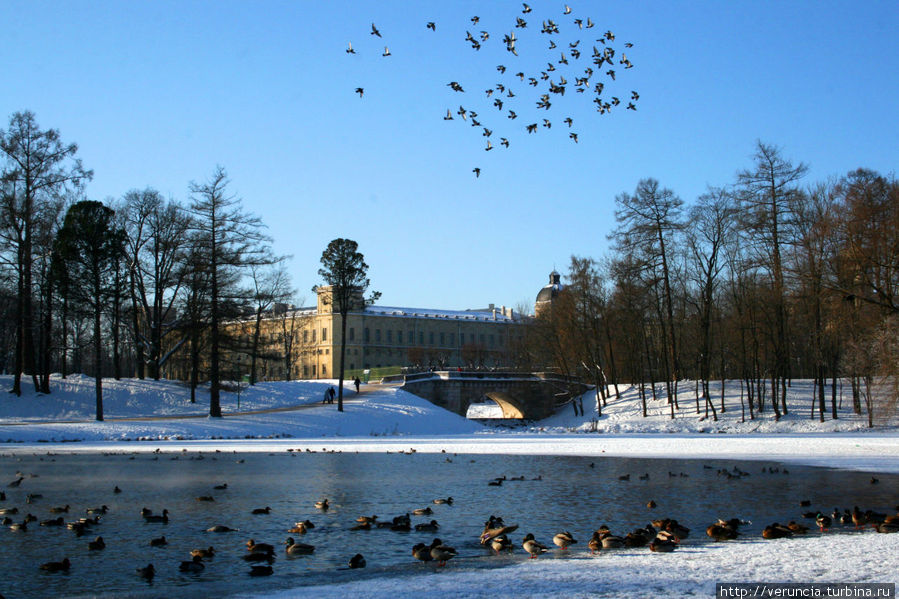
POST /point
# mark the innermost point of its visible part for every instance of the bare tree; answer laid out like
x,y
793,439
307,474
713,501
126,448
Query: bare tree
x,y
156,254
648,222
769,195
39,169
229,241
711,221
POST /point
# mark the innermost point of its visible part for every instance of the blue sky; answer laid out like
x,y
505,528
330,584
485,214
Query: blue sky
x,y
159,93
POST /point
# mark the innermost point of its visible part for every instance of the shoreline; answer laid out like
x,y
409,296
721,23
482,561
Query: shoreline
x,y
875,452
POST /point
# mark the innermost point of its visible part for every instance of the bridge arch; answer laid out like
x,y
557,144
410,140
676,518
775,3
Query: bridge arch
x,y
510,406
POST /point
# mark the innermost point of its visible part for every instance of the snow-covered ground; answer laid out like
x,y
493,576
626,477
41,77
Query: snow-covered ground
x,y
146,415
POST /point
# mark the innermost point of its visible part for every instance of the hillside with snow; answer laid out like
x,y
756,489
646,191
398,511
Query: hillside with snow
x,y
162,410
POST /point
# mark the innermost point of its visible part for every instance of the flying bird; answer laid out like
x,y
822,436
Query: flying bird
x,y
501,68
349,49
568,121
489,146
360,91
635,96
547,124
532,128
448,116
503,141
512,114
573,136
475,20
520,23
431,26
567,10
386,51
374,30
476,171
631,106
455,86
526,9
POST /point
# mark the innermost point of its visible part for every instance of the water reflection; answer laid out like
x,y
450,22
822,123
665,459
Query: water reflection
x,y
576,494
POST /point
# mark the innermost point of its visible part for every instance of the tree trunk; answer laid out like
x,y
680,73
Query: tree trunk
x,y
98,359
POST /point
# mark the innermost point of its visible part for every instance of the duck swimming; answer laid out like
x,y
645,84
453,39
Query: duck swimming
x,y
294,548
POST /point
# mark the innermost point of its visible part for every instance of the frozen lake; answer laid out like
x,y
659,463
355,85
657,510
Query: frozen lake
x,y
557,493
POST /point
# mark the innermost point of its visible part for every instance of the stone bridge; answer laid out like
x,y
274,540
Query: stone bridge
x,y
519,394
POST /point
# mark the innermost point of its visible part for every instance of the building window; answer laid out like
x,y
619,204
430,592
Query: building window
x,y
399,337
324,370
461,338
324,334
421,337
389,336
365,335
377,335
491,340
442,339
410,338
431,338
352,332
452,339
313,371
313,335
305,336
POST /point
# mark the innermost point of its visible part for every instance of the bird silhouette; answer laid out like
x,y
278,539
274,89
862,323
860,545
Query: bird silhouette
x,y
475,19
489,146
532,128
455,86
374,30
349,49
501,68
448,116
568,121
567,10
520,23
476,171
512,115
573,136
526,8
503,141
431,26
386,51
360,91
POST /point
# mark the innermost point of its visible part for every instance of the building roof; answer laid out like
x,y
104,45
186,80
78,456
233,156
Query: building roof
x,y
548,292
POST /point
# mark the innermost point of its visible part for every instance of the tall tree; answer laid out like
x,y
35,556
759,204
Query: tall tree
x,y
229,241
38,170
648,221
769,195
90,247
345,271
271,286
712,222
157,263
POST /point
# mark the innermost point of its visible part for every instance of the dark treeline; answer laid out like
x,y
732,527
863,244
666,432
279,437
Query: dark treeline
x,y
118,289
765,280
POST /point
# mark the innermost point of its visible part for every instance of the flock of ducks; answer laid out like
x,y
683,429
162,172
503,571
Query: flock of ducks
x,y
661,535
566,65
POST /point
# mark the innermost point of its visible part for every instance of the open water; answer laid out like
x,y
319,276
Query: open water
x,y
557,493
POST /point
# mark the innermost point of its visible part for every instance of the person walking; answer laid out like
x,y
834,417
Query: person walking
x,y
331,394
357,382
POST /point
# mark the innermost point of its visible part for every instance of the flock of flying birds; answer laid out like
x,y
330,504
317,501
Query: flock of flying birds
x,y
583,68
